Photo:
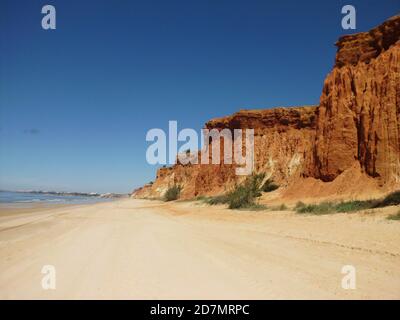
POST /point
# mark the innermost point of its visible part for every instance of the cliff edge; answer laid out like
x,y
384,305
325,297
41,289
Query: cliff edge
x,y
347,146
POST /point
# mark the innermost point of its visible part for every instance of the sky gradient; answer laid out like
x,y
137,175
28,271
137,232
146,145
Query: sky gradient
x,y
76,102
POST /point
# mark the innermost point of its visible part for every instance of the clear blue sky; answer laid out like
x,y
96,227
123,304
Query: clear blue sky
x,y
76,102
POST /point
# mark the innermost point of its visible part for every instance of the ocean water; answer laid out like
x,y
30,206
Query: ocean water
x,y
7,197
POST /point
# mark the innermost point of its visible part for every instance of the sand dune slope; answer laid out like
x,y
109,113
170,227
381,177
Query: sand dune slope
x,y
150,250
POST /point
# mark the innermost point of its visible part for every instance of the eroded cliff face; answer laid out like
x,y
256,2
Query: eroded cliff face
x,y
282,142
359,111
283,139
354,132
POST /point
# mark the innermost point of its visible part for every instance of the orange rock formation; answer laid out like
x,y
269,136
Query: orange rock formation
x,y
349,145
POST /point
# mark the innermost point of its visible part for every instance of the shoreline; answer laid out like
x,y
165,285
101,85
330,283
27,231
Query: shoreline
x,y
28,199
142,249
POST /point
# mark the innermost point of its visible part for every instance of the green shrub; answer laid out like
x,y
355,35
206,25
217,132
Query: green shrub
x,y
329,207
356,205
349,206
322,208
254,184
221,199
299,204
392,199
241,197
244,195
172,193
254,207
269,186
200,198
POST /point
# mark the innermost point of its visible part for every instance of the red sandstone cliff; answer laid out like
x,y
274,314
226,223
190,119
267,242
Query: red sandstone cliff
x,y
359,112
349,143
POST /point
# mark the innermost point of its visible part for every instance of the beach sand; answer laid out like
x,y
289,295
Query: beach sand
x,y
140,249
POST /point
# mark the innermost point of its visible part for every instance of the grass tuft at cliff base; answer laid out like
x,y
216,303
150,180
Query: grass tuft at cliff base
x,y
348,206
172,193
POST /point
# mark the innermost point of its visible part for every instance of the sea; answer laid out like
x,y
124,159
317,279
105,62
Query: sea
x,y
10,197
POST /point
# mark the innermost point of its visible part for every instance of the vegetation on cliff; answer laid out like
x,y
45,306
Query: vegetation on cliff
x,y
172,193
244,195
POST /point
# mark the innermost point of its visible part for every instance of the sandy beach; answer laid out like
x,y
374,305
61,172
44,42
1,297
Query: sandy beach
x,y
140,249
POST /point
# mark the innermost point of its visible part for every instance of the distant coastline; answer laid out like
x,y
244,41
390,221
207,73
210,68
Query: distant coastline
x,y
54,197
66,193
